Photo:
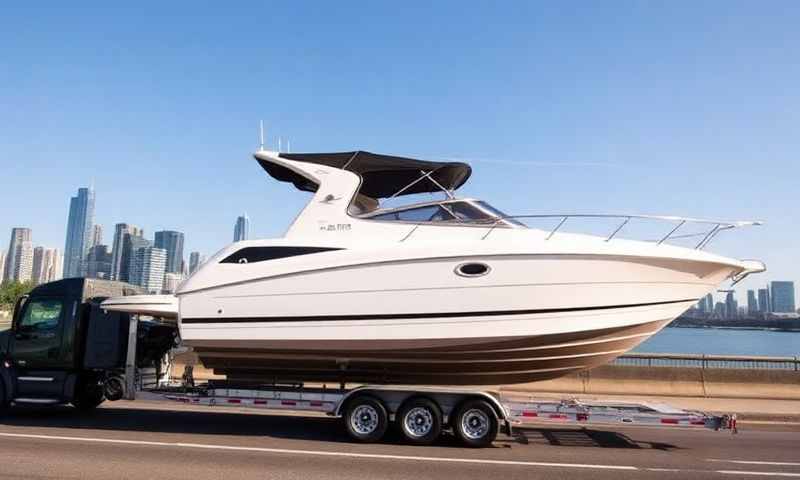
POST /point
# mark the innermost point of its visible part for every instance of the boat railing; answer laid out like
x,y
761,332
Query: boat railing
x,y
712,227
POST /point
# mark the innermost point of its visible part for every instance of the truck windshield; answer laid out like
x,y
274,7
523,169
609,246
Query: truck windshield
x,y
41,315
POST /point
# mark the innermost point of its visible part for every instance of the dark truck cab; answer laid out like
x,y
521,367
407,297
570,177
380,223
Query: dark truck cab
x,y
63,348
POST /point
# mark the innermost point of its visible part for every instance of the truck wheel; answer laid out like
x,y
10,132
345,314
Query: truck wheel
x,y
420,421
88,397
366,419
3,403
475,423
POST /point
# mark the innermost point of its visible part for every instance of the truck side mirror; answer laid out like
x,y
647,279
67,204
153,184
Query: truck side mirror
x,y
17,311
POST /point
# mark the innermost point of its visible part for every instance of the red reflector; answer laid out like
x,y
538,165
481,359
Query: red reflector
x,y
672,421
288,402
234,400
530,414
582,417
316,404
697,422
260,402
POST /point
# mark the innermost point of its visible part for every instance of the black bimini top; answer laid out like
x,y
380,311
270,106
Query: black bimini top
x,y
382,175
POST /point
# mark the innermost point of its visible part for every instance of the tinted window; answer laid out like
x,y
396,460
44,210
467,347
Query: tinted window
x,y
430,213
41,315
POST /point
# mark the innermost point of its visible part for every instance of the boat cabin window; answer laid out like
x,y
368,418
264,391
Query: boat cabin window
x,y
453,211
429,213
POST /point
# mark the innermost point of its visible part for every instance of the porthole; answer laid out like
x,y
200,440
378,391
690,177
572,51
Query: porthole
x,y
472,269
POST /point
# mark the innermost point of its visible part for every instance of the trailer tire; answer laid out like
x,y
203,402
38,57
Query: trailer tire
x,y
475,423
420,421
366,419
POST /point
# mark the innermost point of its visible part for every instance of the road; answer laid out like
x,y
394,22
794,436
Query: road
x,y
156,439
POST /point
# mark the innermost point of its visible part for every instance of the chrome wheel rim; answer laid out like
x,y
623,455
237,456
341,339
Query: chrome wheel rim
x,y
475,424
418,421
364,419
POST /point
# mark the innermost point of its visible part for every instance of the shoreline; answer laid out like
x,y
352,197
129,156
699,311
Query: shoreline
x,y
718,327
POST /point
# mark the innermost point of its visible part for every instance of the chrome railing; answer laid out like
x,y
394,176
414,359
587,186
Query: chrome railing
x,y
716,226
708,361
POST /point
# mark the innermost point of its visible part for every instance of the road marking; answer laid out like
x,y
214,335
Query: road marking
x,y
319,452
755,462
760,474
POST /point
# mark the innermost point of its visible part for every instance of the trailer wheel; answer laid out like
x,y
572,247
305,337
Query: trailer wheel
x,y
366,419
475,423
420,421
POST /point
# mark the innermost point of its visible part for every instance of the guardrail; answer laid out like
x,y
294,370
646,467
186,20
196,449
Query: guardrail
x,y
708,361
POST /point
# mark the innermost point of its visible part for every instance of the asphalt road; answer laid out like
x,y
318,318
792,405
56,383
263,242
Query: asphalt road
x,y
159,440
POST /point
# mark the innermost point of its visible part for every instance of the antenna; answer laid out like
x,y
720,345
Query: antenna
x,y
261,135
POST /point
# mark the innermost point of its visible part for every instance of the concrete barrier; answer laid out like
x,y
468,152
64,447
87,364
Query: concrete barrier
x,y
676,381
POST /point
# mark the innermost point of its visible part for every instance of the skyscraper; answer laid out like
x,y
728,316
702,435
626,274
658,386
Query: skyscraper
x,y
98,262
80,227
731,306
752,303
172,242
764,304
242,229
171,282
782,295
2,265
118,265
46,265
19,259
130,243
709,304
195,260
97,235
147,268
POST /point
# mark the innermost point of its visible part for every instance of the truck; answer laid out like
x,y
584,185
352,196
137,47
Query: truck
x,y
64,348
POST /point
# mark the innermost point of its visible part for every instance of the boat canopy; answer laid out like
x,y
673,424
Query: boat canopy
x,y
382,176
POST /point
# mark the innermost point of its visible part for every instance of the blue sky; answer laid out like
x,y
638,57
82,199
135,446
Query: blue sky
x,y
686,108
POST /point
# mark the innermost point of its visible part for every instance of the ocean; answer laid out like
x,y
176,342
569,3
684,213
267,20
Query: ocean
x,y
719,341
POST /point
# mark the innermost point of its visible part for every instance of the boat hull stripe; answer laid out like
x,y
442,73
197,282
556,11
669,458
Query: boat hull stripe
x,y
404,316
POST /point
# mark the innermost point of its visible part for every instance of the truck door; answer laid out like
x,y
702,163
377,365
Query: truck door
x,y
37,344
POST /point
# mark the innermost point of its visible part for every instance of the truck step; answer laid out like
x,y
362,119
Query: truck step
x,y
38,401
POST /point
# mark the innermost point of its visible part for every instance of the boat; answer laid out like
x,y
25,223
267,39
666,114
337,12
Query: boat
x,y
449,291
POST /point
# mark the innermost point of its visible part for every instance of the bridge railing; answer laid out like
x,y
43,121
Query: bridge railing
x,y
708,361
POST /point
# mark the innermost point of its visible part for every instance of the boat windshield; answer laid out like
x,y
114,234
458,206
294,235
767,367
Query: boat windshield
x,y
458,211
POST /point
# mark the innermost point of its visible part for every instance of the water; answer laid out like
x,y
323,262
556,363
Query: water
x,y
716,341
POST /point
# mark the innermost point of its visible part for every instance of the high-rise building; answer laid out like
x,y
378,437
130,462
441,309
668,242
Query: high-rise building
x,y
782,296
242,229
709,304
171,282
764,304
147,268
172,242
19,258
119,259
2,265
731,306
195,260
130,244
97,235
98,262
46,265
80,227
752,303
